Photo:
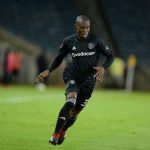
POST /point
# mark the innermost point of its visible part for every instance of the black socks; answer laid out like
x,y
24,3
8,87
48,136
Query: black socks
x,y
64,114
69,122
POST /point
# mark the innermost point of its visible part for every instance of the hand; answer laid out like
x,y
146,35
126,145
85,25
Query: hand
x,y
41,76
99,73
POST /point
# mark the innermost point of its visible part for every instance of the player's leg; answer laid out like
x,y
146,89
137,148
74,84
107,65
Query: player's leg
x,y
83,97
63,115
64,112
68,123
71,95
71,118
80,104
86,89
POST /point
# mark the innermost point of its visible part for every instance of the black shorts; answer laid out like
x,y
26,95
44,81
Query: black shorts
x,y
83,86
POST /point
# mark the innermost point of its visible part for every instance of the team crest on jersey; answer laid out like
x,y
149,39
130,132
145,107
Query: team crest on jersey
x,y
91,45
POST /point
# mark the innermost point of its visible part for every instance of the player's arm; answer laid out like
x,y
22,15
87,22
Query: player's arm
x,y
106,52
57,61
109,59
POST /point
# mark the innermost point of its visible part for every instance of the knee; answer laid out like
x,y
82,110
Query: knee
x,y
71,99
72,94
70,102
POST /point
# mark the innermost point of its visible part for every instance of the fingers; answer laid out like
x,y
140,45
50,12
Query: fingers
x,y
95,68
36,80
99,73
39,78
98,77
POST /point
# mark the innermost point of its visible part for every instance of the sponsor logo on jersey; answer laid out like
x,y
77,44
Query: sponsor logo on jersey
x,y
83,54
91,45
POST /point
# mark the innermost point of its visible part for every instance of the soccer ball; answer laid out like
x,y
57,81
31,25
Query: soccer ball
x,y
41,87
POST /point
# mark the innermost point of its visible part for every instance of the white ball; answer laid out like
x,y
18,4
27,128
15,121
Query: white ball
x,y
41,87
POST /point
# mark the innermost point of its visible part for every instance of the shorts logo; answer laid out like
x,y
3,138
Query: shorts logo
x,y
91,45
83,54
72,82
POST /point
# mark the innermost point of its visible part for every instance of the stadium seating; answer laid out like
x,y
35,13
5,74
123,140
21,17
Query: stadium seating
x,y
130,24
44,23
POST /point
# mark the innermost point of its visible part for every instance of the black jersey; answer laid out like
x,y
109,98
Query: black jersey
x,y
85,53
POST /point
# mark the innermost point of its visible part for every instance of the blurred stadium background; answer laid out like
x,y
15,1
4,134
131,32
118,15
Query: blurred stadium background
x,y
31,33
32,27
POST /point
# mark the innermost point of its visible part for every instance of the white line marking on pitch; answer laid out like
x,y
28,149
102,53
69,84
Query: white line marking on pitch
x,y
21,99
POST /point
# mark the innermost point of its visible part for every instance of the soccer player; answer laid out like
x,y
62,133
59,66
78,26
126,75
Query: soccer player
x,y
80,75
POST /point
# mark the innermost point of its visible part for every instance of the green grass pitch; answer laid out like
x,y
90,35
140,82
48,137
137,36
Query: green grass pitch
x,y
112,120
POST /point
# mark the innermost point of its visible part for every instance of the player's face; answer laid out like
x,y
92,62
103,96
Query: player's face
x,y
82,29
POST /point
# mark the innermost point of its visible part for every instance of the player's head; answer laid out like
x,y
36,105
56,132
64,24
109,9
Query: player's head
x,y
82,26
